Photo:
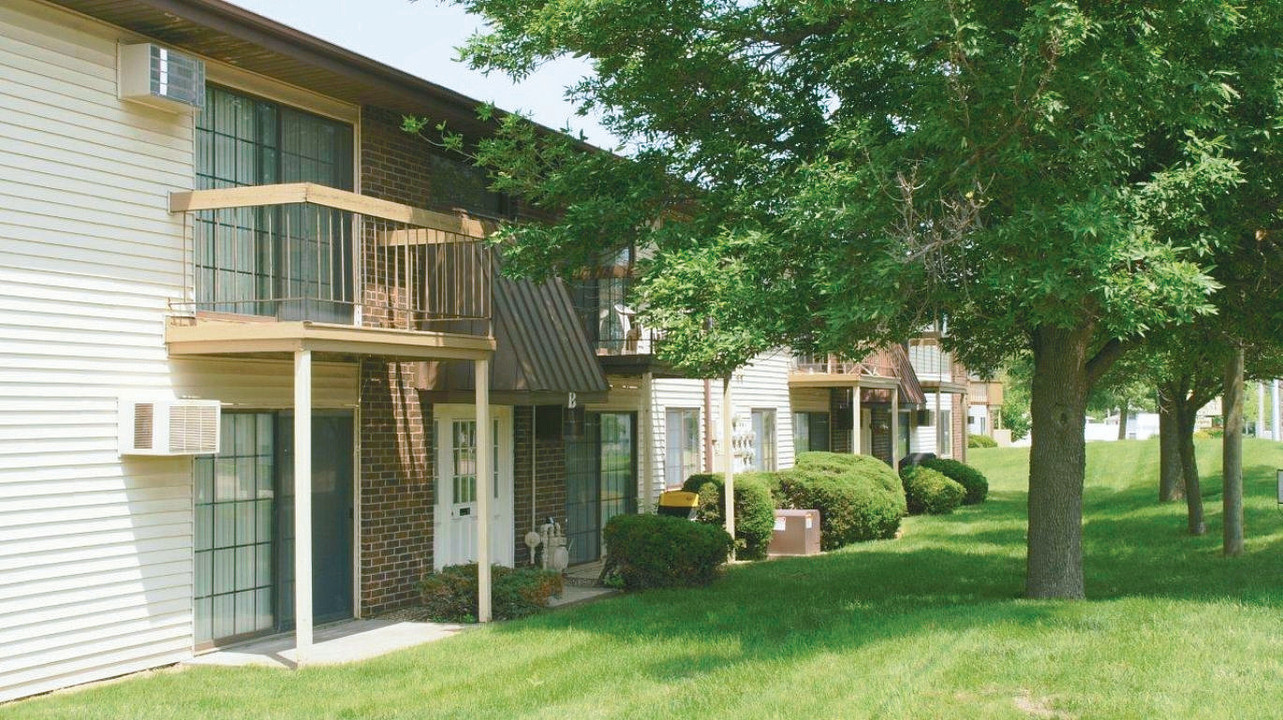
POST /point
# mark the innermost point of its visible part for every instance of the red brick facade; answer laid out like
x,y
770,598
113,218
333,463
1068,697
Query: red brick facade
x,y
397,480
550,479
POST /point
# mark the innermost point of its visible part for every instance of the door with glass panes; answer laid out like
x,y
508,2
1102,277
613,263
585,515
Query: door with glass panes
x,y
455,530
244,535
601,478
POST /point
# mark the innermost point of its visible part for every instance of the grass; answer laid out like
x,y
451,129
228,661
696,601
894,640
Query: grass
x,y
926,626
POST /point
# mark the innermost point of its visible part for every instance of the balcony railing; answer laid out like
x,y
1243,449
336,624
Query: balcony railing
x,y
308,252
880,363
608,318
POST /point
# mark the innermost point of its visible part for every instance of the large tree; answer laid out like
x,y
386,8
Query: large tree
x,y
834,176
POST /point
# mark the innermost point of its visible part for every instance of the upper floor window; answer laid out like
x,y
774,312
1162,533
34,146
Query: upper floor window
x,y
292,262
245,140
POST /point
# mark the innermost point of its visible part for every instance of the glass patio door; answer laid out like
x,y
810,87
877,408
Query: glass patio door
x,y
601,479
290,261
244,534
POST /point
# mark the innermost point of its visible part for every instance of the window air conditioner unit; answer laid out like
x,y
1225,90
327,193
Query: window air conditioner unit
x,y
168,427
160,77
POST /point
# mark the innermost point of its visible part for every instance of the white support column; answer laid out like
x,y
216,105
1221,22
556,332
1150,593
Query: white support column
x,y
728,458
1260,409
647,442
1274,410
895,429
302,506
856,440
485,488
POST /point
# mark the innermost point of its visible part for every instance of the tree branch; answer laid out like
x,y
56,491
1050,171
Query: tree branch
x,y
1104,359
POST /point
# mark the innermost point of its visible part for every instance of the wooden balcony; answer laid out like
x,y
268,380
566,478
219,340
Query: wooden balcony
x,y
876,370
278,268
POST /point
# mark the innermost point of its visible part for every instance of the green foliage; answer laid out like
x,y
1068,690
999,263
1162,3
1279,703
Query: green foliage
x,y
981,441
867,467
854,503
451,594
754,509
971,479
930,491
652,551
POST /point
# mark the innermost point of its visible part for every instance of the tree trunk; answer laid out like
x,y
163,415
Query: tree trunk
x,y
1185,416
1057,463
1232,454
1169,457
1122,421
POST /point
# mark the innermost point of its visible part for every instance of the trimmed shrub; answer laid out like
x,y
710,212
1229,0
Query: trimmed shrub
x,y
451,594
754,509
853,507
651,551
981,441
930,491
971,479
869,468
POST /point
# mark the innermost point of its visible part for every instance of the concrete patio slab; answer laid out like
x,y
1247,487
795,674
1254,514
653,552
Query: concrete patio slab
x,y
334,644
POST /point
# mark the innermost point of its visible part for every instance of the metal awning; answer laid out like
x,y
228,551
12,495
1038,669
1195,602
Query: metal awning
x,y
910,389
541,351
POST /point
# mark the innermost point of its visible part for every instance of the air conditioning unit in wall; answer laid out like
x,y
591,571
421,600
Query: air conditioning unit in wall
x,y
160,77
168,427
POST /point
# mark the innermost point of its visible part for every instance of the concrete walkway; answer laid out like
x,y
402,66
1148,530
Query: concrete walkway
x,y
334,644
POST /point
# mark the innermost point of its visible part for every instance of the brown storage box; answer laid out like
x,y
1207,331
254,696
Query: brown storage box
x,y
797,532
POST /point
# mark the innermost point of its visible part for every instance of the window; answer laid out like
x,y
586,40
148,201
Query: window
x,y
944,447
682,460
235,576
764,439
290,259
811,432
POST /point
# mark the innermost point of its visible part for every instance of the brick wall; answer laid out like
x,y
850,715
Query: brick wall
x,y
959,427
397,476
550,479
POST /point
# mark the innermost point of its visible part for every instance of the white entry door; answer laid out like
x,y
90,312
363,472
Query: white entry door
x,y
455,529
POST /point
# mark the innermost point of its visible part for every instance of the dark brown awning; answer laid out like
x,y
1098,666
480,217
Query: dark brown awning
x,y
910,389
541,351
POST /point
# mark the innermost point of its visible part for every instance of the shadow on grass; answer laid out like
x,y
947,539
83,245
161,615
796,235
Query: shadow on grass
x,y
948,575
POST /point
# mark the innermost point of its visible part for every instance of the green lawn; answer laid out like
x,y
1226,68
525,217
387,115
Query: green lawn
x,y
926,626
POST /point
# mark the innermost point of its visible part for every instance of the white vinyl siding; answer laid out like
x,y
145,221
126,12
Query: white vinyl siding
x,y
762,384
95,550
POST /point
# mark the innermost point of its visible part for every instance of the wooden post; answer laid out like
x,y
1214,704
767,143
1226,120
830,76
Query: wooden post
x,y
728,459
646,441
485,487
302,506
895,429
856,440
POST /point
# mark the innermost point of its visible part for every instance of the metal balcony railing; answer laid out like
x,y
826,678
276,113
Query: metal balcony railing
x,y
308,252
608,318
879,363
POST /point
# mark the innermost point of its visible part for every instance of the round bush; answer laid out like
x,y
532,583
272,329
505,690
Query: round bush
x,y
981,441
754,509
852,506
974,481
929,491
650,551
451,594
869,468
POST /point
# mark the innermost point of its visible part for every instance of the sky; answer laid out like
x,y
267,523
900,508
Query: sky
x,y
420,38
